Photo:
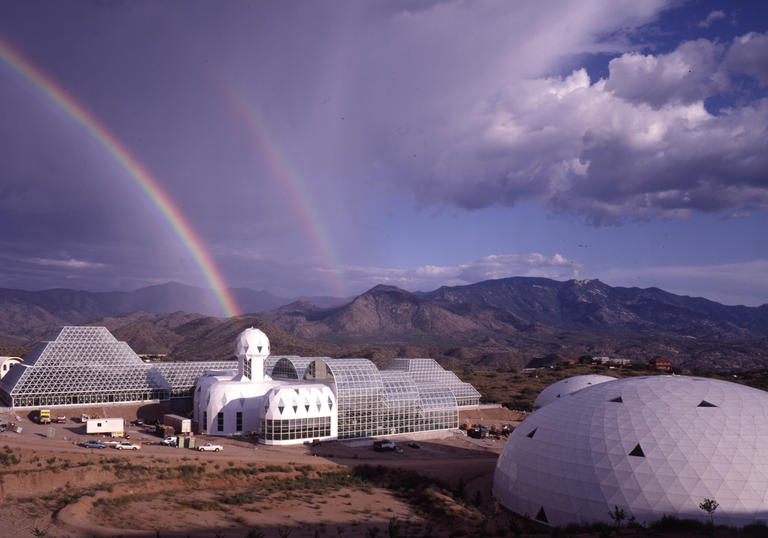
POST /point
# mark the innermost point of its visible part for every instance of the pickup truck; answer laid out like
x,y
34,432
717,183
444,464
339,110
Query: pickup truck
x,y
208,447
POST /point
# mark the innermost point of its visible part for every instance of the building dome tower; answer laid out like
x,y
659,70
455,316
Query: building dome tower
x,y
251,349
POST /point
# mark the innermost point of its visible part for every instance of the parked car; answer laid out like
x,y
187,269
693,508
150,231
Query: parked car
x,y
384,445
127,445
61,420
138,422
94,443
477,431
170,441
414,445
208,447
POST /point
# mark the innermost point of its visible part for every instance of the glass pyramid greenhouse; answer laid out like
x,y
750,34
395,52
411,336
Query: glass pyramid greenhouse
x,y
87,365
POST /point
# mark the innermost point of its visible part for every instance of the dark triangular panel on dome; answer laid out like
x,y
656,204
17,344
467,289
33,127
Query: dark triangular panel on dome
x,y
558,395
533,431
617,399
541,516
637,451
705,403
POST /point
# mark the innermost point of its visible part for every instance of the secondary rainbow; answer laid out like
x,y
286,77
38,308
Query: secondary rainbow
x,y
180,225
289,180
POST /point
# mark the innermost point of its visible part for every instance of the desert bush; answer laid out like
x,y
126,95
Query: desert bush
x,y
671,523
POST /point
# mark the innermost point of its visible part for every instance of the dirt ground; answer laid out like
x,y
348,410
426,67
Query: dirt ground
x,y
436,487
52,486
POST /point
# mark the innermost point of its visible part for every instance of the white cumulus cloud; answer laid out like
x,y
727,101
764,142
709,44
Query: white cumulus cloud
x,y
68,263
638,144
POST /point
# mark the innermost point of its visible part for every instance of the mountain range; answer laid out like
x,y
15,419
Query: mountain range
x,y
506,322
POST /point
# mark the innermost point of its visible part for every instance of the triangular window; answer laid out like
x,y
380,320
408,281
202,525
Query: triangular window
x,y
541,516
637,451
259,348
533,431
330,403
306,406
705,403
295,408
617,399
558,396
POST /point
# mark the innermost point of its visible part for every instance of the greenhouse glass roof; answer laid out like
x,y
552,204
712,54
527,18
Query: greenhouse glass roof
x,y
287,366
428,371
85,365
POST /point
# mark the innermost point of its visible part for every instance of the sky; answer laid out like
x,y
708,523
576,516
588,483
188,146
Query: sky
x,y
322,148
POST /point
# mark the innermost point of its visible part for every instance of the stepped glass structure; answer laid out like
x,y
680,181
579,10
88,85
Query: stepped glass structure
x,y
283,399
406,396
87,365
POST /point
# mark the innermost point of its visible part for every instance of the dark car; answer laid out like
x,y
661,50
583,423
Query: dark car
x,y
138,422
94,443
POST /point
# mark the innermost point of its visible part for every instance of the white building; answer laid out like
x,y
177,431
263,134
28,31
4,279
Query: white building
x,y
248,400
651,446
6,363
290,399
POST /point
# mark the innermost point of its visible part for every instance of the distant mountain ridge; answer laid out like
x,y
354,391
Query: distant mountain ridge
x,y
511,306
502,322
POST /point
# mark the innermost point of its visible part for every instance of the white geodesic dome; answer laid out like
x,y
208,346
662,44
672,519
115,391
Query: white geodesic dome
x,y
649,445
567,386
251,342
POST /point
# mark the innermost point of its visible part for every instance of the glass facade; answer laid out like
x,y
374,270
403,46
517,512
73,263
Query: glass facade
x,y
359,393
87,365
428,371
372,402
286,367
295,428
182,376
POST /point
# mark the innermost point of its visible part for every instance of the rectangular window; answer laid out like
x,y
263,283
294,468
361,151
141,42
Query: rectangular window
x,y
220,422
205,421
239,421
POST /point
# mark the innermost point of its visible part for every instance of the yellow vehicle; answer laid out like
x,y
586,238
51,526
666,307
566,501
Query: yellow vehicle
x,y
44,417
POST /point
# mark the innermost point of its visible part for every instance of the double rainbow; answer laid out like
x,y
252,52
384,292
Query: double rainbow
x,y
138,173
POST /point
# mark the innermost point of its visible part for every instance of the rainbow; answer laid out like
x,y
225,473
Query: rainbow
x,y
289,180
180,225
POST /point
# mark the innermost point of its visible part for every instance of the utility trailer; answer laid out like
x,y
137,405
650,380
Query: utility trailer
x,y
180,424
111,426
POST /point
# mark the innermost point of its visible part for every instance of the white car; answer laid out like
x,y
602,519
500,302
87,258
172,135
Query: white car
x,y
208,447
126,445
